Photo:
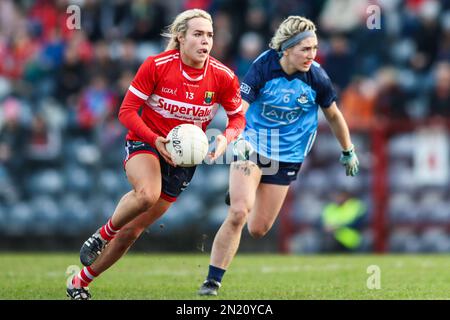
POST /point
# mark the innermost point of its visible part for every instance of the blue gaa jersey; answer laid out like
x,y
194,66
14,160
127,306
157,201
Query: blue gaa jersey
x,y
281,121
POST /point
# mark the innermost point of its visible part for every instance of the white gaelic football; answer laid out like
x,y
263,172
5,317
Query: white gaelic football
x,y
188,145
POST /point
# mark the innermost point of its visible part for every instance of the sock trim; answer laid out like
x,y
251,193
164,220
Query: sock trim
x,y
84,277
88,274
92,272
108,231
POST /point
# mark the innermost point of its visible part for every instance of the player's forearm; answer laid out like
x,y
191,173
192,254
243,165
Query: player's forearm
x,y
236,124
340,129
129,117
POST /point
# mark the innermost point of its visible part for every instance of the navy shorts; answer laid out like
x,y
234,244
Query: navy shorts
x,y
276,172
174,179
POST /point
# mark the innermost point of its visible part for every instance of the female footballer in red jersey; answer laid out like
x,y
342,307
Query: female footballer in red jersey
x,y
181,85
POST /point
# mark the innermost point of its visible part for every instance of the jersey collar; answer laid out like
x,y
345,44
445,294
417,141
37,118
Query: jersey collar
x,y
202,76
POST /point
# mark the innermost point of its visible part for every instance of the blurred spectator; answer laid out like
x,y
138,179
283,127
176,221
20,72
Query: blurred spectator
x,y
71,76
43,145
149,19
110,139
426,36
444,41
42,68
96,102
200,4
122,86
257,18
342,16
103,64
310,9
81,44
116,19
128,56
15,53
91,21
10,18
439,100
12,138
339,61
222,37
44,17
341,219
251,46
358,103
392,99
53,51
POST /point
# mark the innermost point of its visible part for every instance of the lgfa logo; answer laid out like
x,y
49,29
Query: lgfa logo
x,y
169,90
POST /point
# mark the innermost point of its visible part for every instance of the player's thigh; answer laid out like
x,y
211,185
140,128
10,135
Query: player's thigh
x,y
268,203
244,180
144,174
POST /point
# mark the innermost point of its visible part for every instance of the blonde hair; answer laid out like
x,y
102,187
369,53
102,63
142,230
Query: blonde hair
x,y
179,25
289,28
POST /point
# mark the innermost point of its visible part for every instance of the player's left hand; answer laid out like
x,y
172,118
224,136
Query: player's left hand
x,y
350,161
160,145
220,147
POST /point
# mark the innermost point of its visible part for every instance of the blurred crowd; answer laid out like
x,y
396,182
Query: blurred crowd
x,y
61,88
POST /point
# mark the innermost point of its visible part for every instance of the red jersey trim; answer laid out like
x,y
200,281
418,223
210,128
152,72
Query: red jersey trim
x,y
223,68
171,55
167,197
166,59
230,113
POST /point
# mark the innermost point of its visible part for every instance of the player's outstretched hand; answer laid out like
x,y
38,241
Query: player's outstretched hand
x,y
160,144
220,147
350,161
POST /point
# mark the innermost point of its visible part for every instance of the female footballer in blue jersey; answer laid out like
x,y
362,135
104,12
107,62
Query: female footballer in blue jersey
x,y
281,93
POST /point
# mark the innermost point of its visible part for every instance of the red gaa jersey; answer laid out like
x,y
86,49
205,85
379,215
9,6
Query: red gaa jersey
x,y
171,93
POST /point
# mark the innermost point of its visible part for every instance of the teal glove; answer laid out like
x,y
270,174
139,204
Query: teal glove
x,y
242,149
350,161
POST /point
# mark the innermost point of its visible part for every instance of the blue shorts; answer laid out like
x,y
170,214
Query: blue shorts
x,y
276,172
174,179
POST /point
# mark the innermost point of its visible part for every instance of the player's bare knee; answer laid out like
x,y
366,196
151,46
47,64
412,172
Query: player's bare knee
x,y
146,198
257,231
238,215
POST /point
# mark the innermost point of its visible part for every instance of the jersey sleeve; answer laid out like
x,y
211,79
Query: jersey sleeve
x,y
252,82
230,97
144,81
138,92
326,93
231,101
